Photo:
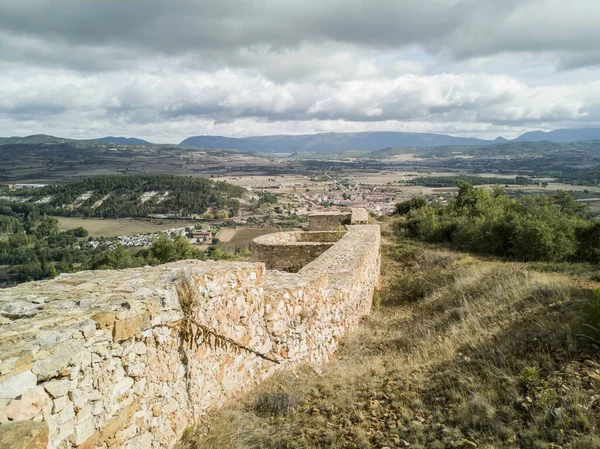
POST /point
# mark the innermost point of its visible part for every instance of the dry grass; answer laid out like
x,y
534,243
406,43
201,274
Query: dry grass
x,y
486,355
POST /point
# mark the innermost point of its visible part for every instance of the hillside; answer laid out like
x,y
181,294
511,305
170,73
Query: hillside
x,y
561,135
132,196
123,140
372,141
329,141
43,139
460,353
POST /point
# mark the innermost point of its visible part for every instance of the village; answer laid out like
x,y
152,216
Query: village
x,y
197,234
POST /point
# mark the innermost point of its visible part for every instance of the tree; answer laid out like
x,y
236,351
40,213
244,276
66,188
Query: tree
x,y
416,202
568,205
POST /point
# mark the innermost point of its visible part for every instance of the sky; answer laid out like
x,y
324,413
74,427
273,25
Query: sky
x,y
165,70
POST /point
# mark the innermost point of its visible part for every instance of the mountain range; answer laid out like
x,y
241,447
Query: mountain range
x,y
332,141
376,140
46,139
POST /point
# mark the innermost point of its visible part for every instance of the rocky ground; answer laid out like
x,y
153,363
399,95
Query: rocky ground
x,y
460,353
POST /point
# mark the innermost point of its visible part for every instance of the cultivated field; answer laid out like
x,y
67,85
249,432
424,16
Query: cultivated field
x,y
107,227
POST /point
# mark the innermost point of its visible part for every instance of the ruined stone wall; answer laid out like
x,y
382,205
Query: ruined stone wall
x,y
290,251
99,357
330,221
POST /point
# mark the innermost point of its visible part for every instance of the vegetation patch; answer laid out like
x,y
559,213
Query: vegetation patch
x,y
135,196
34,248
489,355
528,228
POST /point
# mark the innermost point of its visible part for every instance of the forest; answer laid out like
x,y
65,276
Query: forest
x,y
450,181
123,196
33,248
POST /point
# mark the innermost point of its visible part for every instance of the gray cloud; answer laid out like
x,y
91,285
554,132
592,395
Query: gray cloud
x,y
230,31
171,69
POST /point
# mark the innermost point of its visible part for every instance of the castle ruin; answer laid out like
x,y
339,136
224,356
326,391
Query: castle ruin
x,y
102,359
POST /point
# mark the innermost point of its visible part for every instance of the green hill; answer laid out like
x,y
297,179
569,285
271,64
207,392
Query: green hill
x,y
133,196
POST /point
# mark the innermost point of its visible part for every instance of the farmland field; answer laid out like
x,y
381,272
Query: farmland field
x,y
108,227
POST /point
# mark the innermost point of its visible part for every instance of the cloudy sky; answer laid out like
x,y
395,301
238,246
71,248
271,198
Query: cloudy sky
x,y
165,70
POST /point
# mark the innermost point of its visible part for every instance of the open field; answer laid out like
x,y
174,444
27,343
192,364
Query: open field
x,y
240,237
226,234
107,227
460,352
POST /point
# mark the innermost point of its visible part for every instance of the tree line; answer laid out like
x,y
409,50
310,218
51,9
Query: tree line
x,y
32,247
450,181
529,228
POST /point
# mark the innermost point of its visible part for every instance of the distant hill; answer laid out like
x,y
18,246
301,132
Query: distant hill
x,y
117,196
35,139
561,135
324,142
42,139
330,141
124,140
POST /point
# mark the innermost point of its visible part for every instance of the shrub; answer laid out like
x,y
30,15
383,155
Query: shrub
x,y
588,239
591,318
527,228
416,202
274,403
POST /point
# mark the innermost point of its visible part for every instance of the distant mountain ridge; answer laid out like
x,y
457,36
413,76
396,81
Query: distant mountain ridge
x,y
377,140
46,139
363,141
330,141
561,135
123,140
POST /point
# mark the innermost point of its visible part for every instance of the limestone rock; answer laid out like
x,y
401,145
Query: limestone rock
x,y
57,388
27,407
59,358
24,435
13,386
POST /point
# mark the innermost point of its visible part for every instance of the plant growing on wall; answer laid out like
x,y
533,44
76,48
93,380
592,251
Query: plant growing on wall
x,y
193,333
340,231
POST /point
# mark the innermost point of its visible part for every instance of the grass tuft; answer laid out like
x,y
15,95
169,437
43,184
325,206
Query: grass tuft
x,y
462,352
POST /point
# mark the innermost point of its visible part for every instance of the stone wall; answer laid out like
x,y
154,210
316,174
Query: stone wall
x,y
333,221
290,251
100,359
328,221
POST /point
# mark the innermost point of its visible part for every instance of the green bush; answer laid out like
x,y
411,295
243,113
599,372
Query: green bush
x,y
528,228
416,202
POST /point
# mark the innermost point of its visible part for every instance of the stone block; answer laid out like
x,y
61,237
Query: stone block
x,y
22,361
126,328
13,386
121,387
58,359
84,431
58,388
60,404
27,407
24,435
104,319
